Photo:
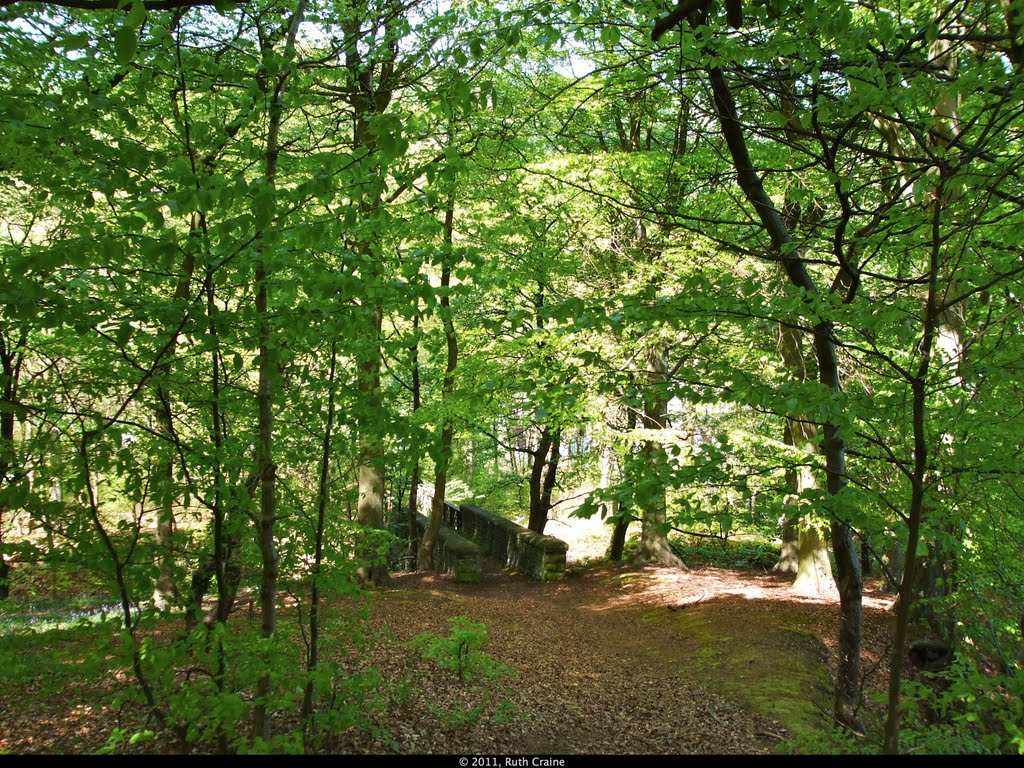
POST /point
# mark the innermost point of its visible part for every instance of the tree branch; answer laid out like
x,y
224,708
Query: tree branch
x,y
113,5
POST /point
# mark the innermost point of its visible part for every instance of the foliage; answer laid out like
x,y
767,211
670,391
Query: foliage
x,y
965,710
235,236
459,653
727,553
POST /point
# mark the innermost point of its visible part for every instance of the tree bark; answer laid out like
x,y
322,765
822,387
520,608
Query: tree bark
x,y
370,505
165,591
654,546
848,575
918,482
425,558
11,362
265,386
369,96
618,543
313,654
414,487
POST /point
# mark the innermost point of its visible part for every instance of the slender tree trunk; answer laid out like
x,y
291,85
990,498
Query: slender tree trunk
x,y
370,506
268,491
939,327
11,368
654,546
265,386
219,548
865,554
165,592
918,481
618,543
124,594
623,518
313,654
425,558
550,474
544,459
848,575
543,472
414,489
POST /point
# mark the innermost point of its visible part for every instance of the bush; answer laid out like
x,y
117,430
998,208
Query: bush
x,y
744,555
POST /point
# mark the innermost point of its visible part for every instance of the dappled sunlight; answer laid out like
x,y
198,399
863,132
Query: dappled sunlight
x,y
678,588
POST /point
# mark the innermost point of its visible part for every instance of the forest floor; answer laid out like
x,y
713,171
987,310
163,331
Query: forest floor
x,y
624,660
606,660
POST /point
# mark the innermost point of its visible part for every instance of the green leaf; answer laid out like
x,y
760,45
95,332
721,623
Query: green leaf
x,y
126,40
136,15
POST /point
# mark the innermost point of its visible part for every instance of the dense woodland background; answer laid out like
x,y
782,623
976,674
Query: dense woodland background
x,y
273,274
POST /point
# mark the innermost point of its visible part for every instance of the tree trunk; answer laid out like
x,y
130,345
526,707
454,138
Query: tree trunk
x,y
654,546
548,484
369,91
541,456
619,538
814,574
848,575
265,385
807,550
10,359
414,488
370,506
425,558
789,554
893,562
918,480
313,654
165,591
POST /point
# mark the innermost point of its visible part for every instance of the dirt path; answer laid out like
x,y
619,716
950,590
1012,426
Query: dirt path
x,y
655,661
623,661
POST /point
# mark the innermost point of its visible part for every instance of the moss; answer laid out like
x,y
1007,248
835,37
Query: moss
x,y
629,577
775,670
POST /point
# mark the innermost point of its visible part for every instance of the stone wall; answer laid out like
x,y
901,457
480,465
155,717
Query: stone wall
x,y
453,553
542,557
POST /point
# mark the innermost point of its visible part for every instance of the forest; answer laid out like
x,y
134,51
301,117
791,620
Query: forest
x,y
734,286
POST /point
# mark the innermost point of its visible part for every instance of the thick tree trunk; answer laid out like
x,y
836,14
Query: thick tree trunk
x,y
893,562
369,91
370,505
789,553
808,559
370,502
814,574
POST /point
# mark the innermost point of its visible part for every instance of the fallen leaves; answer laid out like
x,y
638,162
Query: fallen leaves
x,y
591,676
